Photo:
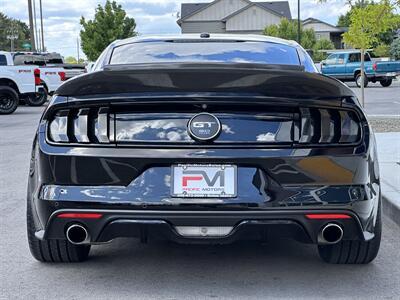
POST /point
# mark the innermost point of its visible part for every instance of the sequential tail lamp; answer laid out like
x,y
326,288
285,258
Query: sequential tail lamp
x,y
80,216
36,73
327,216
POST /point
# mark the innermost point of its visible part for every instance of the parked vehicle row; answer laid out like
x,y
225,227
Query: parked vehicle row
x,y
346,66
19,83
49,60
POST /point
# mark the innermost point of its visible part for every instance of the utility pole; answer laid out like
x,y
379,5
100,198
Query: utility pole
x,y
77,48
12,35
37,39
31,27
41,24
298,22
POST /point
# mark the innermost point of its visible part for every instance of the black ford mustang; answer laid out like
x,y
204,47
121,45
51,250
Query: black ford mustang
x,y
204,139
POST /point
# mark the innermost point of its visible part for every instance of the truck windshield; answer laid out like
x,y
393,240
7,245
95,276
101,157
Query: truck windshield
x,y
201,51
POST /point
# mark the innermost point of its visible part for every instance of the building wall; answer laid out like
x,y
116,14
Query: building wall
x,y
254,18
199,27
322,35
219,10
319,27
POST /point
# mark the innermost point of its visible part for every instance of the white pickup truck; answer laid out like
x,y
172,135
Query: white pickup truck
x,y
52,77
49,60
19,82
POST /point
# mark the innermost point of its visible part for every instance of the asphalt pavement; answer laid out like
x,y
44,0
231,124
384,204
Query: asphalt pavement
x,y
126,269
379,100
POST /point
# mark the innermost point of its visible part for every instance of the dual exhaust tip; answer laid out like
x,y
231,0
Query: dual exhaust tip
x,y
330,234
77,234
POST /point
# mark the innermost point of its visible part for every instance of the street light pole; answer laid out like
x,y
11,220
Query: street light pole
x,y
298,22
41,24
31,27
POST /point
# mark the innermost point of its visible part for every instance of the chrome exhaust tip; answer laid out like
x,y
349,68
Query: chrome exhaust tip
x,y
330,234
77,234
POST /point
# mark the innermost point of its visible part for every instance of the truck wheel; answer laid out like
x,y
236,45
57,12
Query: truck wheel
x,y
354,252
358,80
8,100
37,99
53,250
386,82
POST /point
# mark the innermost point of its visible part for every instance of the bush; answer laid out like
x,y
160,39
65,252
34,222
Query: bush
x,y
395,49
382,50
322,44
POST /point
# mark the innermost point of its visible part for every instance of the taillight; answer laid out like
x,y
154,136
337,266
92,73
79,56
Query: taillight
x,y
36,73
321,126
62,75
81,126
374,66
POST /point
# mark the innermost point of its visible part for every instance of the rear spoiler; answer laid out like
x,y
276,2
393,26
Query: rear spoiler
x,y
285,81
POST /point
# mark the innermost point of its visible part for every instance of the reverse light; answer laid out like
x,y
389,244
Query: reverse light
x,y
327,216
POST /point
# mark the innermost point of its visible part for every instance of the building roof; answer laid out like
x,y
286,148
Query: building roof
x,y
314,20
190,8
280,7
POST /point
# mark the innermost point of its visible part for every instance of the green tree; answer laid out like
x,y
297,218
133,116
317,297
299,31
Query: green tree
x,y
382,50
322,44
366,24
384,38
73,60
288,30
7,25
395,49
109,24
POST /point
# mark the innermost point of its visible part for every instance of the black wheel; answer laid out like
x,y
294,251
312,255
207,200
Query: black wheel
x,y
354,252
53,250
37,99
8,100
386,82
358,80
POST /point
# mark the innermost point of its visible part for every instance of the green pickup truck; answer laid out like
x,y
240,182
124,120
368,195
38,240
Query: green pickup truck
x,y
346,66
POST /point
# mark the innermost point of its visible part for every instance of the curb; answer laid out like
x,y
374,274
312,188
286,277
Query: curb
x,y
391,210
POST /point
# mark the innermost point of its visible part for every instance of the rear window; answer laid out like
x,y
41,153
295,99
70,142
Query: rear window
x,y
193,51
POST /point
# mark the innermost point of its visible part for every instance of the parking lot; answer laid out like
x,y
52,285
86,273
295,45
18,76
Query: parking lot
x,y
164,270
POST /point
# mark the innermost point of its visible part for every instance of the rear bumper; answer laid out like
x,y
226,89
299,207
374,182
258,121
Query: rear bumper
x,y
161,225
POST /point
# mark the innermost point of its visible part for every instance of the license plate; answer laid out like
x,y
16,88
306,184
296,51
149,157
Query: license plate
x,y
204,181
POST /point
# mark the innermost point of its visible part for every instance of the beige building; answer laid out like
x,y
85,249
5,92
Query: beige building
x,y
232,16
245,16
327,31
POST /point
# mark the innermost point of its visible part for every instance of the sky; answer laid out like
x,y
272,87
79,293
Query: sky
x,y
61,17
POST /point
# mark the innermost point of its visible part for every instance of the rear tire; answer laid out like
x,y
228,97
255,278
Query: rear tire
x,y
358,80
53,250
9,100
386,82
37,99
354,252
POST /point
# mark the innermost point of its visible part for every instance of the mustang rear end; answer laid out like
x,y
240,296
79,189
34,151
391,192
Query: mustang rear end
x,y
204,152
